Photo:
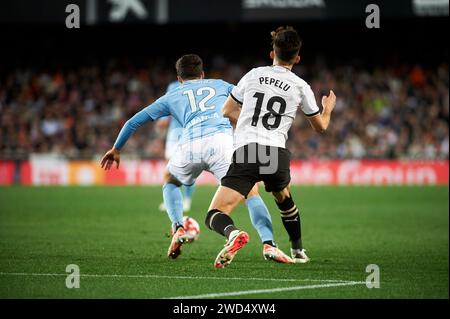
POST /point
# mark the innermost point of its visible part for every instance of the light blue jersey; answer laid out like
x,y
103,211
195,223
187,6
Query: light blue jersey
x,y
174,132
175,129
195,104
172,86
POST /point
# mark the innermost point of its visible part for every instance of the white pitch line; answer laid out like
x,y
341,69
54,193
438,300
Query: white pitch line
x,y
174,277
261,291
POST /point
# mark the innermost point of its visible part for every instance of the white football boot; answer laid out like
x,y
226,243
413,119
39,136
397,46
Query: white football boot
x,y
276,254
226,255
299,256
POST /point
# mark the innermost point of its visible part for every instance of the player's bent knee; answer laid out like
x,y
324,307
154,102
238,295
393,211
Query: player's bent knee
x,y
225,199
281,195
170,179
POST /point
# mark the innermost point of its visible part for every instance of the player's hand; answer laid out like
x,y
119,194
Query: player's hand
x,y
329,102
113,155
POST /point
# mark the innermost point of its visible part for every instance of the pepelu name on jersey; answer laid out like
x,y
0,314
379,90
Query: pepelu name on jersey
x,y
274,82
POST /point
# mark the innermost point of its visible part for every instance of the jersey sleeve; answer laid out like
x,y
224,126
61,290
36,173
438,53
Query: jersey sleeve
x,y
237,92
158,109
152,112
228,86
172,86
308,102
130,127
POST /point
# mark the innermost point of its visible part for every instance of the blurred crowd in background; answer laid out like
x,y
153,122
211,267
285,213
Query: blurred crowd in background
x,y
390,111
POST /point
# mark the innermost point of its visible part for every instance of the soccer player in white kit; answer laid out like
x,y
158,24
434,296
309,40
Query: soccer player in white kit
x,y
206,144
263,106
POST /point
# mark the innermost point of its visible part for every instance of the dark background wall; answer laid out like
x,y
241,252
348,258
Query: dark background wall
x,y
409,40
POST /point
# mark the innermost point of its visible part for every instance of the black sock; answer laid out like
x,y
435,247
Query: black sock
x,y
220,222
291,221
270,242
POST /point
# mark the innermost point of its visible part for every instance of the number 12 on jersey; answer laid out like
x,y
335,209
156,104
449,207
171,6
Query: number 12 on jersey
x,y
202,104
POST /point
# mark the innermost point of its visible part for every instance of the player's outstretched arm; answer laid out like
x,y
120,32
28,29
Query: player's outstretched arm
x,y
231,110
113,155
321,121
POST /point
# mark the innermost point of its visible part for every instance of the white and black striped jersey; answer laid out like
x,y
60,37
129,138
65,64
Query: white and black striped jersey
x,y
270,97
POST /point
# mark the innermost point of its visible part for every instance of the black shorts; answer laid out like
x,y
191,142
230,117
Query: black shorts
x,y
253,163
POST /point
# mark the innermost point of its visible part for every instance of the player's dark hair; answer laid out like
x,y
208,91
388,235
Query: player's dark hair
x,y
189,66
286,43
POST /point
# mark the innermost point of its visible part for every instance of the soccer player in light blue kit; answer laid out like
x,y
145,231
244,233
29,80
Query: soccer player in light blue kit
x,y
206,144
174,132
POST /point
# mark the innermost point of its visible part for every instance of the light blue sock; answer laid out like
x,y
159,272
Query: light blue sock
x,y
188,191
260,217
173,200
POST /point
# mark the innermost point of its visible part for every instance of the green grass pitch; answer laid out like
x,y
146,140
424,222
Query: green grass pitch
x,y
116,235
